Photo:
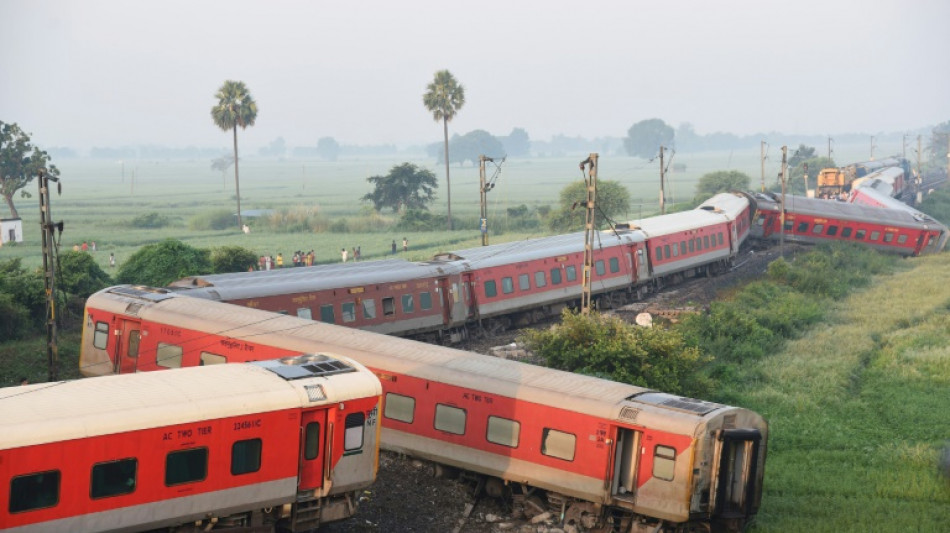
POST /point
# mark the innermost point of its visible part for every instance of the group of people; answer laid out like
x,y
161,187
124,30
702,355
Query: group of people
x,y
405,245
355,254
87,246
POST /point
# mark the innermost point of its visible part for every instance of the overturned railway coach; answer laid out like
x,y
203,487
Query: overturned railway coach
x,y
282,444
495,285
812,221
604,454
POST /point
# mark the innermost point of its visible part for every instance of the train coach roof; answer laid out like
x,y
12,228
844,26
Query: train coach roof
x,y
847,211
530,249
307,279
392,355
49,412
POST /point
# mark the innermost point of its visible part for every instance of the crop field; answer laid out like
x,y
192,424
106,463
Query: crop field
x,y
101,197
858,412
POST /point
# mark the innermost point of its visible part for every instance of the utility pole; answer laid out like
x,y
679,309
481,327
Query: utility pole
x,y
762,160
918,178
483,197
872,148
829,146
904,146
590,179
782,215
49,270
662,184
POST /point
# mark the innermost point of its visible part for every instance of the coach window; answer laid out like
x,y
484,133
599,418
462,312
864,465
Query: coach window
x,y
832,231
658,253
666,251
408,305
699,243
524,282
369,308
348,311
682,247
818,228
888,236
614,264
692,246
845,232
34,491
507,285
353,432
168,355
491,290
186,466
326,314
425,300
555,276
875,235
134,337
705,241
399,407
101,337
311,441
208,358
721,241
304,312
503,431
113,478
449,419
571,273
901,239
389,306
539,280
599,267
245,456
558,444
664,459
676,250
859,236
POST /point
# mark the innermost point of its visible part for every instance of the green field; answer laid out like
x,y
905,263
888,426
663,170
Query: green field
x,y
100,198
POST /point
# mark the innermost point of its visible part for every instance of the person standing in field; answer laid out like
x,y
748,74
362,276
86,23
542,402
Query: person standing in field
x,y
405,244
112,259
394,246
343,254
280,260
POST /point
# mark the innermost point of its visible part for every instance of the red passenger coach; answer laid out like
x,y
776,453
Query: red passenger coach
x,y
811,220
603,454
281,443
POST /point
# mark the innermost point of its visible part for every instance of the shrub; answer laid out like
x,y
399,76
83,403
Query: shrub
x,y
80,275
226,259
218,219
298,220
160,264
150,221
606,346
16,323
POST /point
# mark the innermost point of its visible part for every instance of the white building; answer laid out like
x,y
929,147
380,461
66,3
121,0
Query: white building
x,y
11,230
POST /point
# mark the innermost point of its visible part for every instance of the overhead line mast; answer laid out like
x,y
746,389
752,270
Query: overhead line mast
x,y
590,179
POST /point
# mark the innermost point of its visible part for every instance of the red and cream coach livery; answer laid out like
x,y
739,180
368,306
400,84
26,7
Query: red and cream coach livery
x,y
811,220
499,284
605,454
284,443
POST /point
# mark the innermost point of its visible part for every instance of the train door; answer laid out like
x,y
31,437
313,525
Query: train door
x,y
643,265
128,333
316,449
471,311
738,459
626,460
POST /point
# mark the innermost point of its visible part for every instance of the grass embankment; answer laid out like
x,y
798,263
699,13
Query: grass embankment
x,y
859,408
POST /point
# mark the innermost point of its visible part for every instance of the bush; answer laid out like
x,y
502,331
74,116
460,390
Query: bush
x,y
150,221
418,220
159,264
26,289
80,275
226,259
298,220
218,219
16,323
606,346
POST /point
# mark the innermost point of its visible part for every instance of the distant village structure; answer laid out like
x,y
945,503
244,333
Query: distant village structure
x,y
11,230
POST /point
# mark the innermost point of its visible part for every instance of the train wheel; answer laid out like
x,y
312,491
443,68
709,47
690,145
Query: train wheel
x,y
495,488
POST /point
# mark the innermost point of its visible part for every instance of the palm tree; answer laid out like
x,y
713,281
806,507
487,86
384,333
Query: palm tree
x,y
444,97
235,108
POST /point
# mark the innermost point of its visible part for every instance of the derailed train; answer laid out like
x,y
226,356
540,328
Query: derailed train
x,y
285,444
495,285
599,454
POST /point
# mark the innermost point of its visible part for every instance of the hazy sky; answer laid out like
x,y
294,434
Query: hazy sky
x,y
111,73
